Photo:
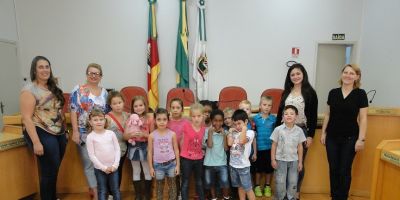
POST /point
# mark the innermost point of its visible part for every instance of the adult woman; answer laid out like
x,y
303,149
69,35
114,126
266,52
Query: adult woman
x,y
41,103
83,99
344,129
299,93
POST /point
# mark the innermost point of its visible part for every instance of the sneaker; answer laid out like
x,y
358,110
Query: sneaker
x,y
257,191
267,191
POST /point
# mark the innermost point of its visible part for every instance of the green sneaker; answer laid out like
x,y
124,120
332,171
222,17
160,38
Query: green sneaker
x,y
267,191
257,191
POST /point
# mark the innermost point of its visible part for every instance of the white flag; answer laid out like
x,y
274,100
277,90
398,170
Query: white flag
x,y
199,58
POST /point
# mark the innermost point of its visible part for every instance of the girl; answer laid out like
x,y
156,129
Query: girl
x,y
137,150
176,123
104,152
163,155
191,151
116,119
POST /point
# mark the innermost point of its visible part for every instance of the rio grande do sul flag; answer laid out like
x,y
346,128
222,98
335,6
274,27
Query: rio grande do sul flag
x,y
199,59
153,63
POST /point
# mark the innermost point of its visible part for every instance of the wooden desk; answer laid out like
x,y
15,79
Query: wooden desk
x,y
18,167
386,171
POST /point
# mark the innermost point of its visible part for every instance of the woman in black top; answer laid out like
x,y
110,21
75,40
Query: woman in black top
x,y
344,129
299,92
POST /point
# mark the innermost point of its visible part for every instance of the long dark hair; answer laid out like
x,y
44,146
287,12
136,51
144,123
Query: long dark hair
x,y
306,87
51,83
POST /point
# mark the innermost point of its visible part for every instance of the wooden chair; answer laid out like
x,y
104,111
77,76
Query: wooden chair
x,y
129,92
276,95
66,103
231,97
185,94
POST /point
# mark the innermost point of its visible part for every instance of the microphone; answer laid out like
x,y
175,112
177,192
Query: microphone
x,y
373,96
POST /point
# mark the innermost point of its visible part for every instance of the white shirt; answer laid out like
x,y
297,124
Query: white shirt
x,y
239,153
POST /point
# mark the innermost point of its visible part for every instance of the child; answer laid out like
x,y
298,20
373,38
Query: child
x,y
246,106
287,154
175,123
215,159
264,123
137,150
104,152
176,120
191,151
163,155
116,119
228,123
208,108
240,140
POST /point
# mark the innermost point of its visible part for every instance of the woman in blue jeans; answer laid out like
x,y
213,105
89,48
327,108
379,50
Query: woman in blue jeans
x,y
41,104
344,129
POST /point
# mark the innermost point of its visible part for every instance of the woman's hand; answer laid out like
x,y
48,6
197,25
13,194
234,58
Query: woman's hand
x,y
38,149
323,138
76,136
299,166
359,145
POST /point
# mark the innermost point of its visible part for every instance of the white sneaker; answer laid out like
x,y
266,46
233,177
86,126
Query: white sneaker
x,y
110,197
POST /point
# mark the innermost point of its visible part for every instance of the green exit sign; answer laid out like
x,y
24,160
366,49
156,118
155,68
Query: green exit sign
x,y
338,36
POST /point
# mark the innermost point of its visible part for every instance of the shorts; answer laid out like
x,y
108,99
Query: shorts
x,y
240,177
263,162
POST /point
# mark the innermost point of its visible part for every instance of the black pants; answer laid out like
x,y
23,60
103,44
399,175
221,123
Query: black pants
x,y
49,162
340,152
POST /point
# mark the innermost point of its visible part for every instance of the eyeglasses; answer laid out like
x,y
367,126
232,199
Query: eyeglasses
x,y
95,74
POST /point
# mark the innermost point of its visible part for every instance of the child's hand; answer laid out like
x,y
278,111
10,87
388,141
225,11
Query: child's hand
x,y
300,167
274,164
152,172
211,130
177,170
244,127
254,157
108,170
231,130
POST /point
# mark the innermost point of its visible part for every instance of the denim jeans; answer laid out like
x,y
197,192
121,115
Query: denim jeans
x,y
105,181
340,152
286,176
241,177
216,171
189,166
49,162
161,170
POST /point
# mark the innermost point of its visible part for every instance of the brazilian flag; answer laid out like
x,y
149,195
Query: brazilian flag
x,y
182,60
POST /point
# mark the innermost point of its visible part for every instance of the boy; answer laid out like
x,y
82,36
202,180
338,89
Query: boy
x,y
240,140
264,123
287,154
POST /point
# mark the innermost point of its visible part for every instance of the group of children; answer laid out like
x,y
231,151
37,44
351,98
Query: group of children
x,y
223,147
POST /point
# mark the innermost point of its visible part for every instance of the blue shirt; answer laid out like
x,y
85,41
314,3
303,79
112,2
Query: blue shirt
x,y
264,127
215,156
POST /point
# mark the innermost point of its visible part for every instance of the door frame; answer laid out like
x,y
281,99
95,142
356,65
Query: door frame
x,y
355,55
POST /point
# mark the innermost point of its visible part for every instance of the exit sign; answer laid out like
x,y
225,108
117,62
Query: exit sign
x,y
338,36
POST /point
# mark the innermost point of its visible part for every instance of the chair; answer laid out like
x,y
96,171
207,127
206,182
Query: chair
x,y
231,97
185,94
129,92
276,95
66,103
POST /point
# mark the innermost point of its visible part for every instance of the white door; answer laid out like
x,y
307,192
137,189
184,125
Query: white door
x,y
10,84
330,60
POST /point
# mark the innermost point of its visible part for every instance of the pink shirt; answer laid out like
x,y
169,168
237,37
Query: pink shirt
x,y
103,149
177,127
192,142
163,146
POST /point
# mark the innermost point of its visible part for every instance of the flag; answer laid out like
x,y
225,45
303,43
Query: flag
x,y
182,60
199,59
153,63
